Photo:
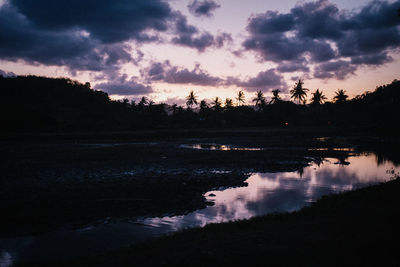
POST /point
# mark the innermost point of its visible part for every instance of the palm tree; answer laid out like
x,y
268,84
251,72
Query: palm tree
x,y
216,104
228,103
240,98
203,105
191,100
317,98
298,92
340,96
259,99
142,103
275,96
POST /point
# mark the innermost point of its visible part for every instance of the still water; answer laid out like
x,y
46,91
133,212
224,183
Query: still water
x,y
265,193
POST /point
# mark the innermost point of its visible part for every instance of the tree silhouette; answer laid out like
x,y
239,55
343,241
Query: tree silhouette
x,y
216,104
228,103
174,109
240,98
340,96
259,99
318,98
298,92
275,96
203,105
191,100
142,103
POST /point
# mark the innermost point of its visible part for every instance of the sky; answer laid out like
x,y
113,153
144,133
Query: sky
x,y
164,49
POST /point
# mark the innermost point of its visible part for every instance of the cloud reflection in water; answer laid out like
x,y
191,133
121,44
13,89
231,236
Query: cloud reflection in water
x,y
282,191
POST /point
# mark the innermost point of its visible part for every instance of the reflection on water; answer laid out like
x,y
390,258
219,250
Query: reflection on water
x,y
283,191
218,147
5,259
265,193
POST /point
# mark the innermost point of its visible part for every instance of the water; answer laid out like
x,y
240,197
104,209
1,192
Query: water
x,y
219,147
282,191
264,193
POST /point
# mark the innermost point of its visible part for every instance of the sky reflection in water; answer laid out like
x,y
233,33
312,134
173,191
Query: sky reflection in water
x,y
282,191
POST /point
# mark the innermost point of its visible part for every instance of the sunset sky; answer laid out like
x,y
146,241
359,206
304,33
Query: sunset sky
x,y
164,49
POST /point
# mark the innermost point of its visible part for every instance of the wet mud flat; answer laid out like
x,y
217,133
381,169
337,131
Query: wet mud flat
x,y
76,182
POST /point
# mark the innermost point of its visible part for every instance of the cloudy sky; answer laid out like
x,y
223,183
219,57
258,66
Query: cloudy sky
x,y
164,49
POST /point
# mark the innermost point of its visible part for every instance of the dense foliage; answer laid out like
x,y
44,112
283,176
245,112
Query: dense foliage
x,y
39,104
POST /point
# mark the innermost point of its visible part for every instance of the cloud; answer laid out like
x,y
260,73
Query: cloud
x,y
326,36
7,74
202,7
123,86
22,39
190,36
108,21
165,72
264,80
337,69
92,35
293,66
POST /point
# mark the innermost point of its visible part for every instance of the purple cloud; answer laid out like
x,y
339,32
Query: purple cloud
x,y
326,35
203,7
124,86
167,73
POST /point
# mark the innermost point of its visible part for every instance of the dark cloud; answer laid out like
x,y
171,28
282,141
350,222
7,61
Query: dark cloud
x,y
167,73
90,35
270,22
123,86
326,35
190,36
336,69
293,66
108,21
375,59
203,7
318,19
264,80
21,39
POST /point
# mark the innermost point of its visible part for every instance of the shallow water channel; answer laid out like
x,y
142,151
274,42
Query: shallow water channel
x,y
265,193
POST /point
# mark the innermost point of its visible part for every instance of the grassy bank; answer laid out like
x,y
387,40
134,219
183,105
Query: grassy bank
x,y
356,228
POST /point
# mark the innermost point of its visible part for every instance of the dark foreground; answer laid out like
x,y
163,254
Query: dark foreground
x,y
357,228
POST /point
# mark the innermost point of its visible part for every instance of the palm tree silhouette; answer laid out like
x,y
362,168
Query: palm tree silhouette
x,y
240,98
142,103
298,92
216,104
340,96
317,98
203,105
228,103
191,100
259,99
275,96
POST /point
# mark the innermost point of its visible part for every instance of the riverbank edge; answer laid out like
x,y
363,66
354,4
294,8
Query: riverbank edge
x,y
358,228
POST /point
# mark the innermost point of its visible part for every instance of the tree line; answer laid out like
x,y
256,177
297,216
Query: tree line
x,y
298,93
40,104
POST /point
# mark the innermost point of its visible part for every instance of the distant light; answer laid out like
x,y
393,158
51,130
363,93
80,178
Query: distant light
x,y
286,123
